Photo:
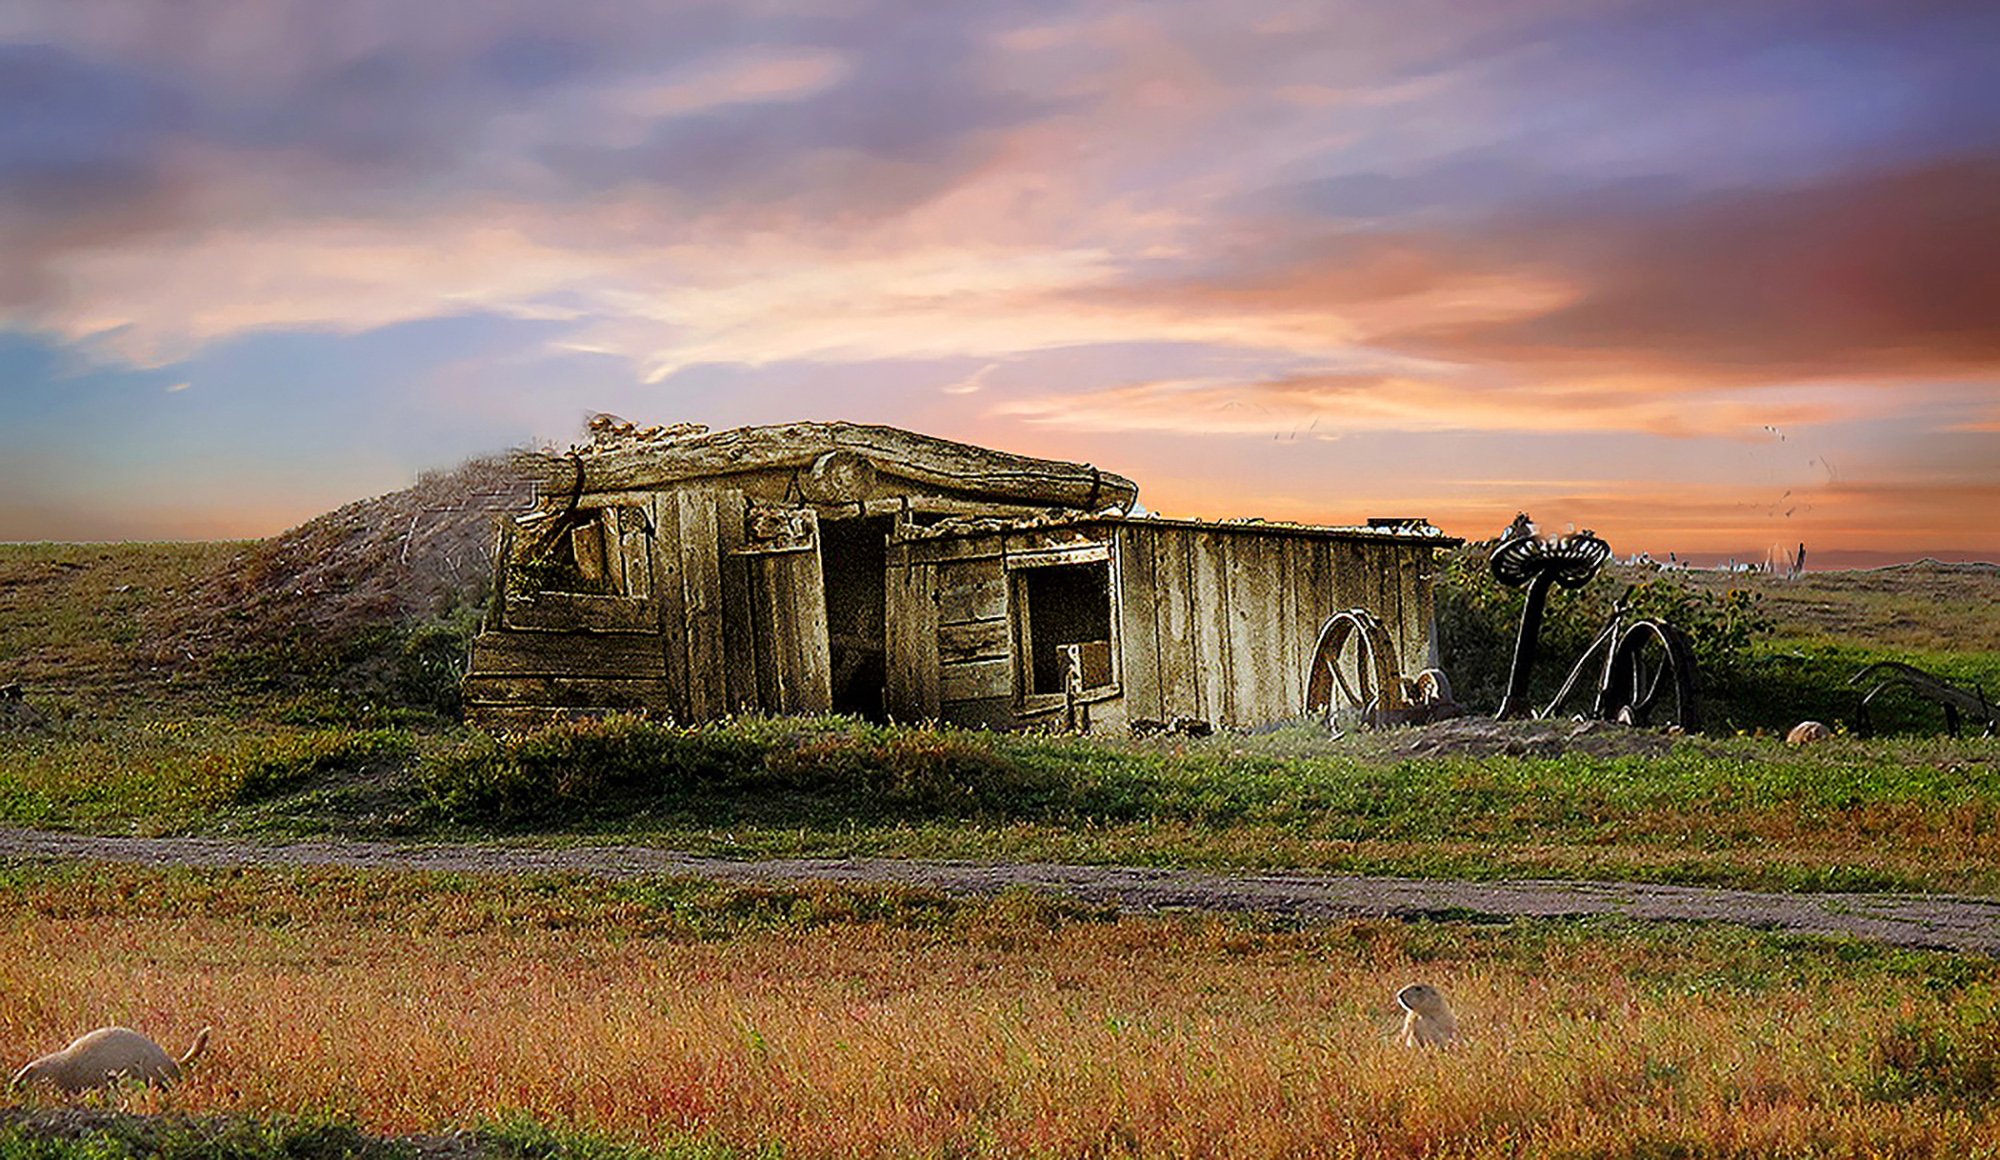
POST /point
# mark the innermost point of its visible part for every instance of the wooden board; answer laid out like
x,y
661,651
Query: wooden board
x,y
635,544
970,590
1070,553
794,664
783,450
1209,566
580,612
963,597
670,600
981,713
1138,626
566,654
701,577
739,631
567,692
1180,652
911,631
973,680
974,640
1255,672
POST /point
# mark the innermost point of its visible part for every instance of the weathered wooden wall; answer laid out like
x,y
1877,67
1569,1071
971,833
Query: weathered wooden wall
x,y
1210,621
1218,623
950,650
722,627
1214,622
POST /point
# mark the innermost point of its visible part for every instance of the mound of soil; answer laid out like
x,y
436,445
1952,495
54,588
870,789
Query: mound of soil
x,y
1485,737
396,559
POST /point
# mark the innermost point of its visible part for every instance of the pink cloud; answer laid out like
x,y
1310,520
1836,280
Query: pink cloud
x,y
1329,405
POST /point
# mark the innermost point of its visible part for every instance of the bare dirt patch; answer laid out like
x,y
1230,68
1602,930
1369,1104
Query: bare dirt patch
x,y
1481,736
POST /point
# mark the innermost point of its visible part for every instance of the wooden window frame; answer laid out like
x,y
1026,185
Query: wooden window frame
x,y
1017,564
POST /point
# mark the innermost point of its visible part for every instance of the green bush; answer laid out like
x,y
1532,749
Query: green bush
x,y
270,767
590,765
1479,620
579,763
384,674
1783,683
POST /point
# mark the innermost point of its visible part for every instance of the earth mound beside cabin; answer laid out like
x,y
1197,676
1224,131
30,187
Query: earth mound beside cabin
x,y
382,563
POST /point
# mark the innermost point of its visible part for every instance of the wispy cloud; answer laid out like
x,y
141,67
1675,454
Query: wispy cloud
x,y
1337,404
1546,218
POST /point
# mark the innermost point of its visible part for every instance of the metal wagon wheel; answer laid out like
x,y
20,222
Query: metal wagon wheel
x,y
1353,675
1651,680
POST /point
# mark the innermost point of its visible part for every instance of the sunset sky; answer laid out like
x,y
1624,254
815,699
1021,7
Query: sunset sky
x,y
1708,277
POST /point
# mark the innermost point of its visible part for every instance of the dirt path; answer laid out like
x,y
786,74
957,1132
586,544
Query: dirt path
x,y
1913,920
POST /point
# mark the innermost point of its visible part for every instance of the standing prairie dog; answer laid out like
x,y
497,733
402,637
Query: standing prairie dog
x,y
1428,1021
105,1056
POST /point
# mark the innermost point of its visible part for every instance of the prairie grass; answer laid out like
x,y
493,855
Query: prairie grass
x,y
173,774
1848,814
828,1022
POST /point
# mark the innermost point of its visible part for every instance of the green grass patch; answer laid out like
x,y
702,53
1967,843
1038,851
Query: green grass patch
x,y
176,774
1790,680
450,905
28,1134
1848,814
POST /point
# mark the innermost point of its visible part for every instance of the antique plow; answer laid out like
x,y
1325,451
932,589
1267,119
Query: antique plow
x,y
1957,702
1646,673
1354,677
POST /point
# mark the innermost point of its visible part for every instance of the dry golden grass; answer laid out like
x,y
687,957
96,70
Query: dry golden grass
x,y
994,1029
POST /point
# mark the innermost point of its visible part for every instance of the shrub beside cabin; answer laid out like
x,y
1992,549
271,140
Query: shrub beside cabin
x,y
816,567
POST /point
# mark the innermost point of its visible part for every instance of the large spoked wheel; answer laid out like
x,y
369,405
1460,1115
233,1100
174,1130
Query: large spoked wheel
x,y
1651,679
1353,678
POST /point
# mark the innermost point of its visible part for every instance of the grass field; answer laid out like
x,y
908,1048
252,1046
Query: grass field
x,y
583,1019
882,1023
1845,815
144,739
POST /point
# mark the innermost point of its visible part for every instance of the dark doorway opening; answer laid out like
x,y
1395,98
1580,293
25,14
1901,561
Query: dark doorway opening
x,y
854,556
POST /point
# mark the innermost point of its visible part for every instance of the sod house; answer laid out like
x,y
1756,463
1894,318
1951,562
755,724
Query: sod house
x,y
834,567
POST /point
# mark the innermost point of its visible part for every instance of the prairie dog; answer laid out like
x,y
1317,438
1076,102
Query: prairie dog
x,y
1428,1021
105,1056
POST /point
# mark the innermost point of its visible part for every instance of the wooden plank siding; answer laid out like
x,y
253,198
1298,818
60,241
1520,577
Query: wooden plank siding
x,y
602,693
1209,577
975,661
550,654
1219,623
1209,621
1138,623
975,681
1256,628
701,577
739,626
794,665
974,640
1179,661
911,637
580,612
670,600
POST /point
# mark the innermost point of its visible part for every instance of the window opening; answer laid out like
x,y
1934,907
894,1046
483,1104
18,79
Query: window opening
x,y
1065,621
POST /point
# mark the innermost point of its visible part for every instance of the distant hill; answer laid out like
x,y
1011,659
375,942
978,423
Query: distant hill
x,y
1927,604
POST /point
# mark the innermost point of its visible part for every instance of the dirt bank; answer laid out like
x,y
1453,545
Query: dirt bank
x,y
1912,920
